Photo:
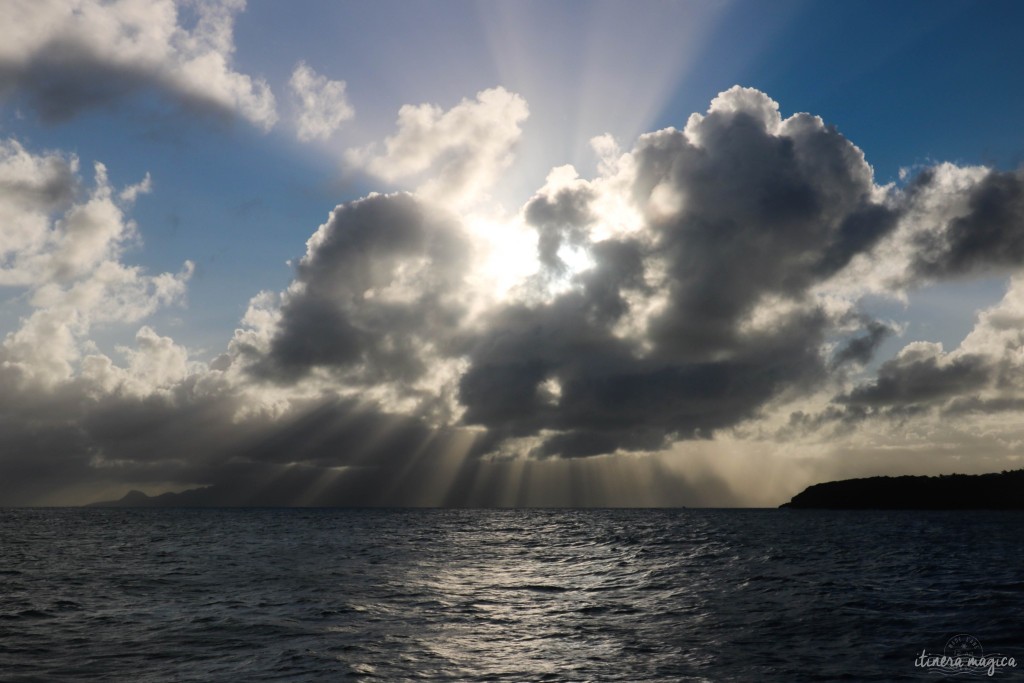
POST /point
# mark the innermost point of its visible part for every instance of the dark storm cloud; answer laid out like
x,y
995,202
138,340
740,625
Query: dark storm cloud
x,y
377,298
322,452
39,458
763,212
989,237
607,398
559,220
839,421
382,282
53,441
338,432
195,434
743,210
618,270
861,349
921,381
974,405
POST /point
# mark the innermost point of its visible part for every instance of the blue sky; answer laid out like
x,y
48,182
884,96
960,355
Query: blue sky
x,y
504,92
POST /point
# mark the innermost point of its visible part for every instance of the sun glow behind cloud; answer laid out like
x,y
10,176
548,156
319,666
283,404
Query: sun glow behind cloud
x,y
595,74
585,68
508,253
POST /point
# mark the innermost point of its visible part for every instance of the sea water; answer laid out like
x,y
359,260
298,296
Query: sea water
x,y
505,595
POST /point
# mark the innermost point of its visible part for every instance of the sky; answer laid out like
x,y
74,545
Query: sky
x,y
700,253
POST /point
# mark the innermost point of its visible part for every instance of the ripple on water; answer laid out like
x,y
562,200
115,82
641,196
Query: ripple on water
x,y
611,595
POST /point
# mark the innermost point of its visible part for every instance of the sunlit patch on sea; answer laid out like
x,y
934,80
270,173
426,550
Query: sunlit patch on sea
x,y
501,595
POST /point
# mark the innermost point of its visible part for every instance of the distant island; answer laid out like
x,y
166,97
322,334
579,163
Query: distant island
x,y
137,499
997,491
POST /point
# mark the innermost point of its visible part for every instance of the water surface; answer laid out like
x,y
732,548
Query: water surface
x,y
501,595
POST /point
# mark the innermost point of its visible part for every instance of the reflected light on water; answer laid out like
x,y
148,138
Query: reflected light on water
x,y
533,608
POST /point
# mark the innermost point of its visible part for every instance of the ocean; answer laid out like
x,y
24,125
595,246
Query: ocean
x,y
508,595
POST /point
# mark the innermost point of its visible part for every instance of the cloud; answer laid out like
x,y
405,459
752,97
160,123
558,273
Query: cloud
x,y
981,378
38,250
379,300
702,295
63,249
455,154
561,217
988,236
66,57
862,349
323,106
951,222
921,374
696,320
31,188
767,207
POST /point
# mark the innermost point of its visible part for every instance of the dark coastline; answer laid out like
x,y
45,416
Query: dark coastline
x,y
997,491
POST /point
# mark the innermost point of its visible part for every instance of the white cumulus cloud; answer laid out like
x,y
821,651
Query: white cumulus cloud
x,y
455,154
323,106
60,249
